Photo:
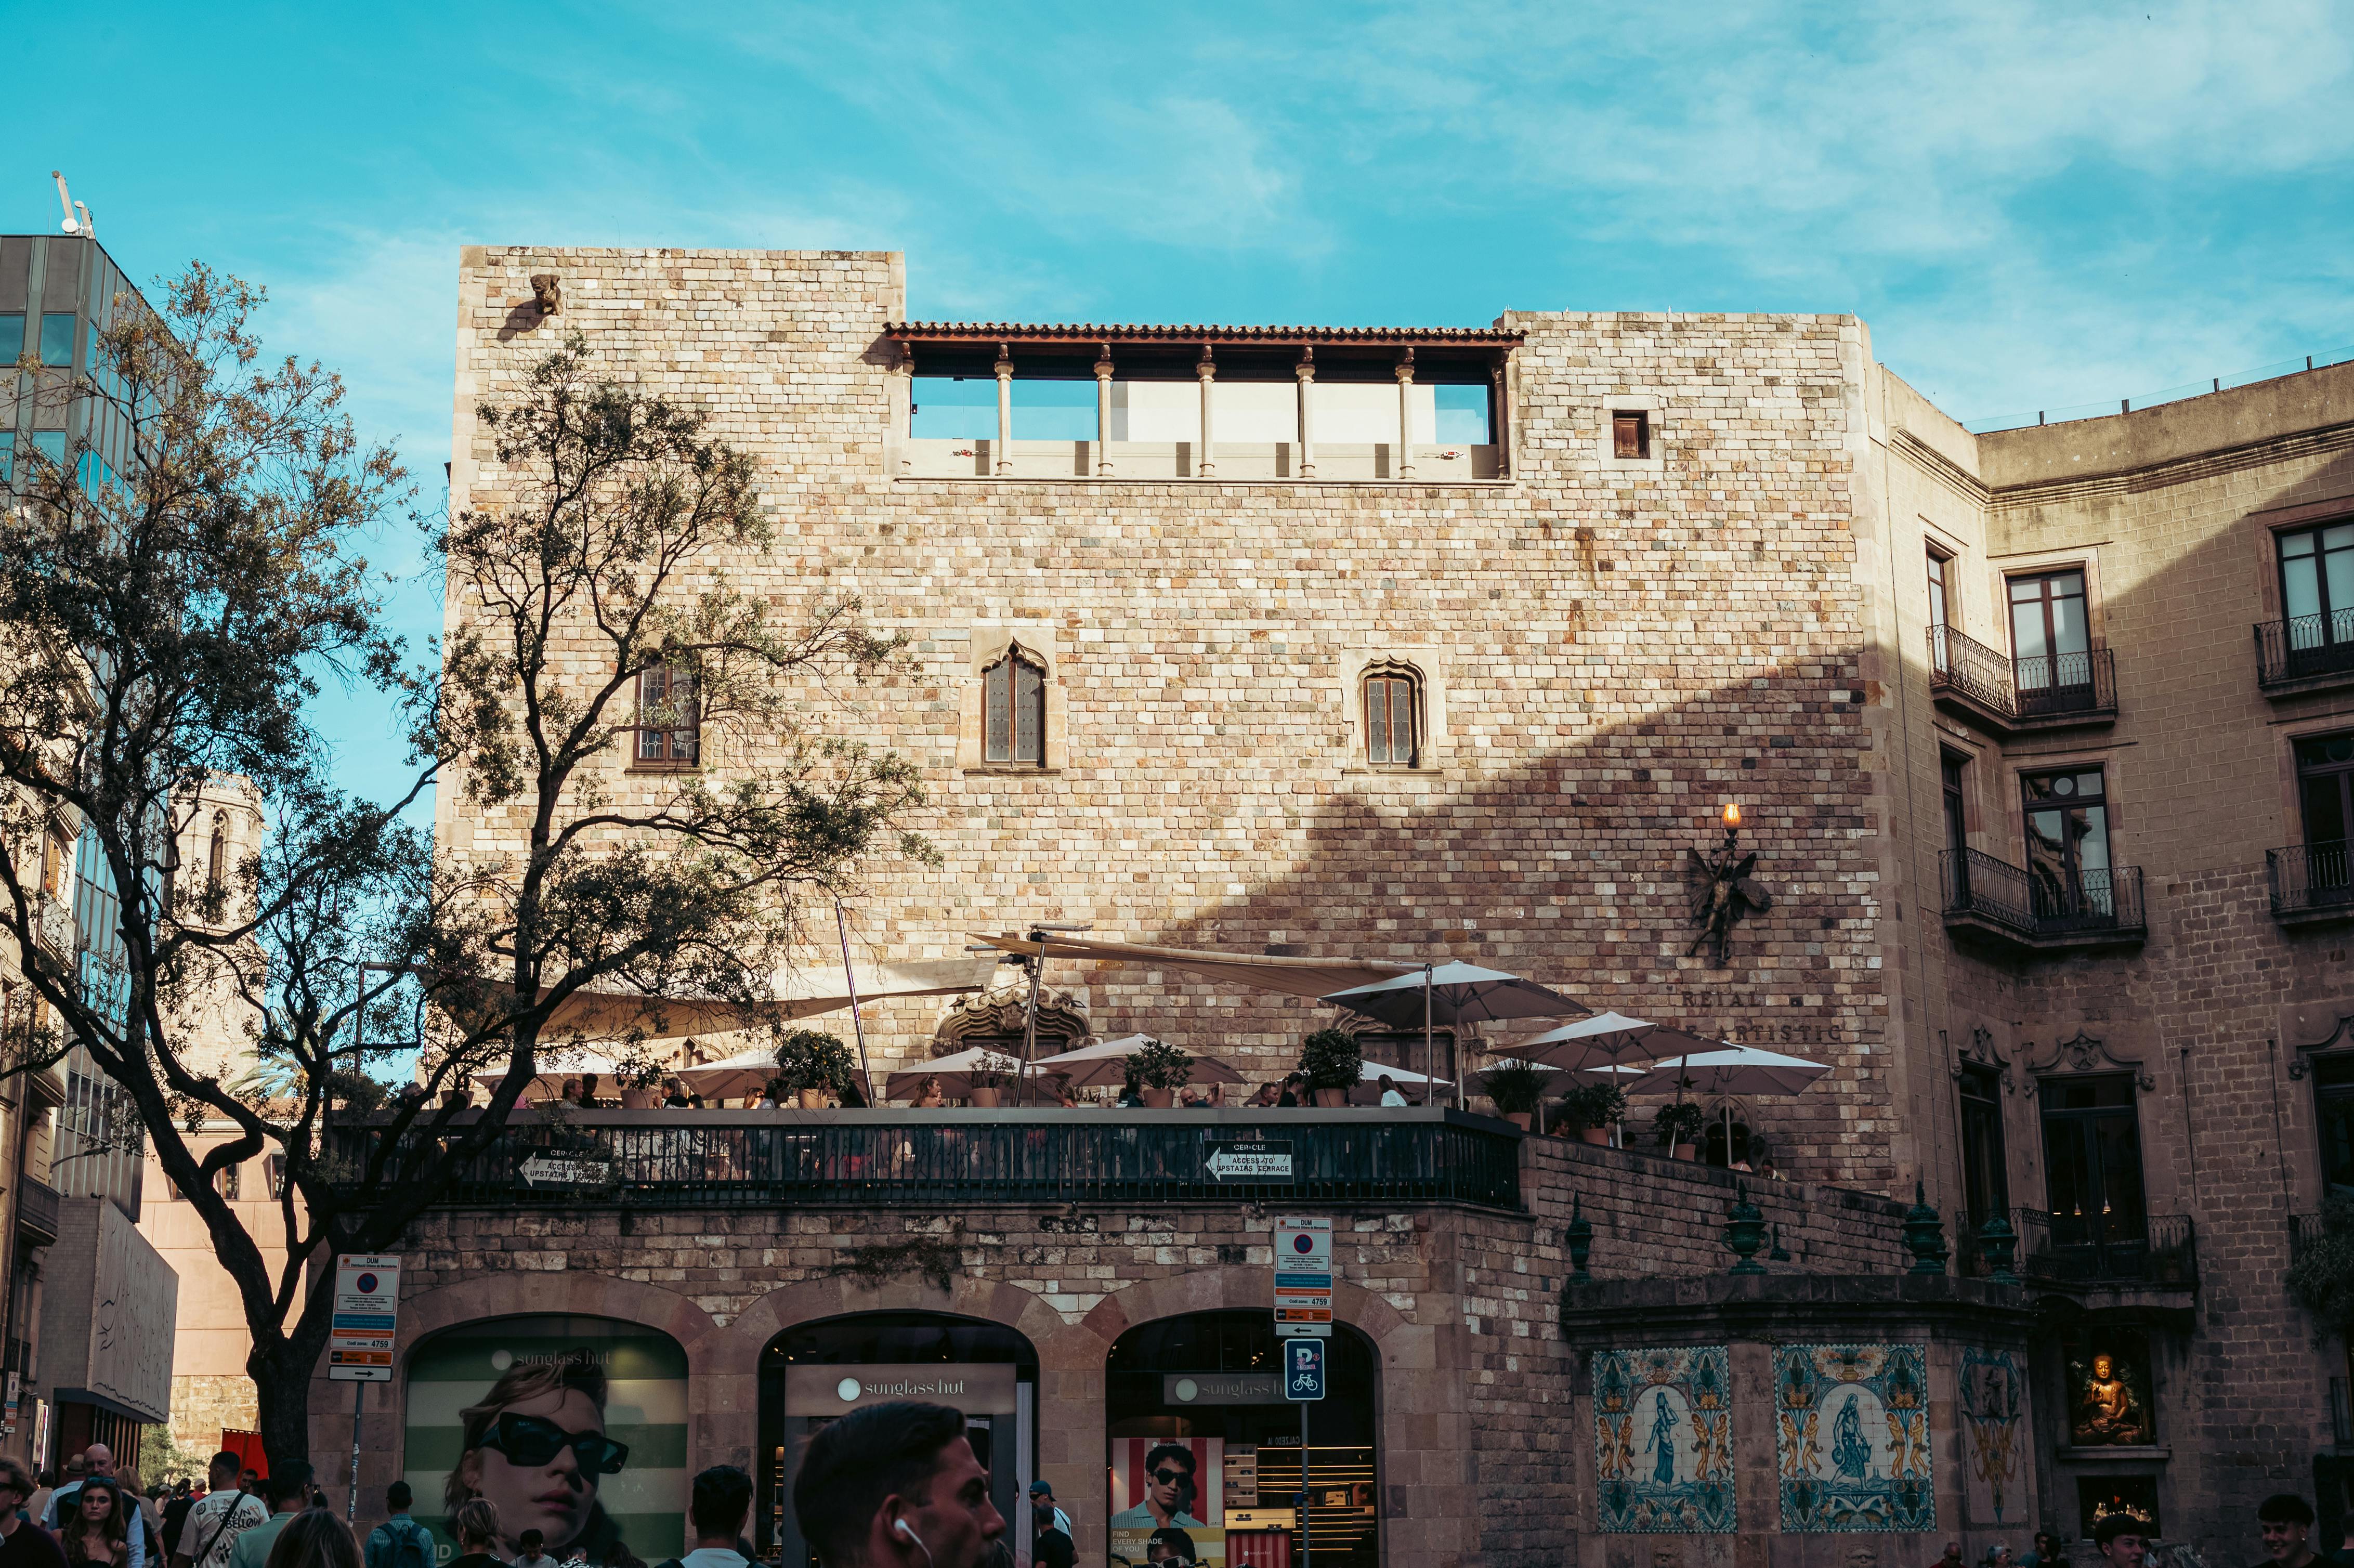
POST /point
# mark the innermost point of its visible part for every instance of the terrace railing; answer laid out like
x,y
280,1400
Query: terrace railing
x,y
2310,881
2098,903
2113,1249
2305,648
867,1159
2048,688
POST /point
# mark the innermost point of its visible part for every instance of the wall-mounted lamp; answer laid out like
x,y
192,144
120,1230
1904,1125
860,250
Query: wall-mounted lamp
x,y
1722,890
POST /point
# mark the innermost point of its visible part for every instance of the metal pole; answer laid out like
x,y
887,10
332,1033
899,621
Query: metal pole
x,y
857,1024
1030,1024
1307,1548
352,1503
1429,1062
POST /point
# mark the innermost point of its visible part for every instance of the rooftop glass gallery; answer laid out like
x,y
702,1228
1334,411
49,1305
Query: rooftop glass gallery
x,y
989,399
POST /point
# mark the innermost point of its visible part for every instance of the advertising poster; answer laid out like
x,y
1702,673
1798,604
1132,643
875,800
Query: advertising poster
x,y
572,1426
1167,1502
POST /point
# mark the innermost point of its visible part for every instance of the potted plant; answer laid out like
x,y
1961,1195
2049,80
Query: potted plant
x,y
640,1085
1159,1070
989,1077
813,1064
1677,1128
1333,1064
1594,1109
1518,1088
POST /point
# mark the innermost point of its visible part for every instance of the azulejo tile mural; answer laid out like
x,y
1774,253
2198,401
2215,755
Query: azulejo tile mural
x,y
1663,1440
1851,1438
1993,1435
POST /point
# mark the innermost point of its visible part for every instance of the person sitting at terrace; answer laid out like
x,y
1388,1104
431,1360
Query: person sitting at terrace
x,y
1266,1096
677,1098
929,1097
1390,1094
1295,1091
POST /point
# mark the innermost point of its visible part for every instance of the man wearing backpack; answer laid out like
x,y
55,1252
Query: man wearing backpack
x,y
399,1542
209,1534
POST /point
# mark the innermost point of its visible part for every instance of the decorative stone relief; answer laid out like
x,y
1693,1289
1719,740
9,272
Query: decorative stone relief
x,y
1994,1435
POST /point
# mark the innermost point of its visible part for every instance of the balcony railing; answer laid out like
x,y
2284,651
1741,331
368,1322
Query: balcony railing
x,y
2043,691
2113,1249
722,1160
2305,1231
2311,882
53,933
2306,647
1999,899
36,1211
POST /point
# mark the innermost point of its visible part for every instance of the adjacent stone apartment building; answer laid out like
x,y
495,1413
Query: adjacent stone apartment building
x,y
1455,644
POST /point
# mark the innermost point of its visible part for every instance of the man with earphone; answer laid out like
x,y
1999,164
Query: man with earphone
x,y
896,1486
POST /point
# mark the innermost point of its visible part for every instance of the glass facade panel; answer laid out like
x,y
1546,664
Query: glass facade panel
x,y
57,339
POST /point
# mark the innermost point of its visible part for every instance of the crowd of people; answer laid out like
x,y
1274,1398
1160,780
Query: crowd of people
x,y
890,1485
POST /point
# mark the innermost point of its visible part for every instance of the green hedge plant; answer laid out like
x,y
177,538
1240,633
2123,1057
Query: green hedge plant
x,y
811,1059
1593,1105
1158,1065
1332,1059
1517,1087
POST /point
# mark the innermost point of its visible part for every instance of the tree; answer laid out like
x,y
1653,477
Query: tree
x,y
170,624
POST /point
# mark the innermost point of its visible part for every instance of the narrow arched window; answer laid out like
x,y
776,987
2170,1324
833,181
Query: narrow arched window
x,y
1014,710
217,858
1393,717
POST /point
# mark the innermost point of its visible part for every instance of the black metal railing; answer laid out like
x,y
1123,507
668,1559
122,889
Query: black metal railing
x,y
2093,903
2042,687
2305,1231
2096,1249
2304,647
2311,879
37,1211
691,1160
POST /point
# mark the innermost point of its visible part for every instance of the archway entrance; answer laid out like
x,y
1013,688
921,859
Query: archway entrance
x,y
813,1373
1198,1400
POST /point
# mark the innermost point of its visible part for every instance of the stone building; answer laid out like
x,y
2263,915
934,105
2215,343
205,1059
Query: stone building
x,y
1436,643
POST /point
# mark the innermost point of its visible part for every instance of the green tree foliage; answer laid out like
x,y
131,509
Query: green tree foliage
x,y
166,626
2322,1278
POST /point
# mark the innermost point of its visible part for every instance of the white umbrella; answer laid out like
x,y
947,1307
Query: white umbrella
x,y
1369,1075
1607,1038
1452,993
1105,1062
955,1072
1729,1069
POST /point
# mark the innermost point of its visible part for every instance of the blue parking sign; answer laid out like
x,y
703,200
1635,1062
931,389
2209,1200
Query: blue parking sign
x,y
1303,1369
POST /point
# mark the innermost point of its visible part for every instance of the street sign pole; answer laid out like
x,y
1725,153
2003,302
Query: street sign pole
x,y
360,1339
351,1502
1303,1382
1307,1545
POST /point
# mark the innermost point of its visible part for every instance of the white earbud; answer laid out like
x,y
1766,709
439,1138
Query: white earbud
x,y
901,1527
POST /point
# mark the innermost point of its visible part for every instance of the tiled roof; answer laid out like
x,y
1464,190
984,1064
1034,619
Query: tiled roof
x,y
1133,333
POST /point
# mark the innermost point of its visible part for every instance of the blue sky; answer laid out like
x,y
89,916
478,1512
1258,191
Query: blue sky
x,y
2034,207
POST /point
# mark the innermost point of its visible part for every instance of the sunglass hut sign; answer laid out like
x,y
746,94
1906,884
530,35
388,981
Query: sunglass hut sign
x,y
834,1389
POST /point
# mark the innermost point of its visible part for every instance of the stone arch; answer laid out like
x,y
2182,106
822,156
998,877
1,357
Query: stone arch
x,y
1402,1343
1000,1014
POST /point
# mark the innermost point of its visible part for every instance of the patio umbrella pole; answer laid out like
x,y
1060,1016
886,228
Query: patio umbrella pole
x,y
1030,1024
1429,1065
857,1024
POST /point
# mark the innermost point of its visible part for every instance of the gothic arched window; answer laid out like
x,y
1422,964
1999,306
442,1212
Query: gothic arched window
x,y
217,857
1014,710
1392,717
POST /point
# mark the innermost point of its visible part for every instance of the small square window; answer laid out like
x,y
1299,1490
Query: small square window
x,y
1630,433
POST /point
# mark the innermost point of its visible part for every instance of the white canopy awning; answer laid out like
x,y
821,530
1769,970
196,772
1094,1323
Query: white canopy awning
x,y
1258,972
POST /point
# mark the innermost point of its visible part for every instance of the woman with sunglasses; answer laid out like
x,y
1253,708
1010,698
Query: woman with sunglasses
x,y
535,1449
96,1532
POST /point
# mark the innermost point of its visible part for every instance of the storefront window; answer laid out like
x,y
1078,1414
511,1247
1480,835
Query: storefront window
x,y
1205,1454
815,1373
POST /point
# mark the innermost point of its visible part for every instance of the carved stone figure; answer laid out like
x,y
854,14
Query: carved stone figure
x,y
546,292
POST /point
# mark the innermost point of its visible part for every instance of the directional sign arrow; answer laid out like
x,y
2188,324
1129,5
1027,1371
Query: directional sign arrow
x,y
1226,1164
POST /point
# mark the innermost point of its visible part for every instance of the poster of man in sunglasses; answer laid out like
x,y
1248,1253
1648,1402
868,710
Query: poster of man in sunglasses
x,y
1166,1491
548,1442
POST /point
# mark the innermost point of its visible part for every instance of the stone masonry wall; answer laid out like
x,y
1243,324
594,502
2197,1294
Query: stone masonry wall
x,y
1620,650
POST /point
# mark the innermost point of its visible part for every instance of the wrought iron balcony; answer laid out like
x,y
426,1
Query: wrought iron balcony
x,y
2010,908
2094,1249
36,1211
2305,1232
946,1158
53,934
2312,884
2305,653
2044,691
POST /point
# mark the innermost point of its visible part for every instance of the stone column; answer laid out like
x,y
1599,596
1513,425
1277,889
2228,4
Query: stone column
x,y
1103,412
1204,467
1305,371
1405,466
1005,453
1503,433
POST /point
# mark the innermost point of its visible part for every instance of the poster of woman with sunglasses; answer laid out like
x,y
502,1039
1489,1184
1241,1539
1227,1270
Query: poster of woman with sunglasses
x,y
1165,1492
574,1427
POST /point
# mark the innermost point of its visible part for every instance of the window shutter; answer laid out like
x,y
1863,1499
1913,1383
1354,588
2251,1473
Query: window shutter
x,y
1029,712
1627,436
997,716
